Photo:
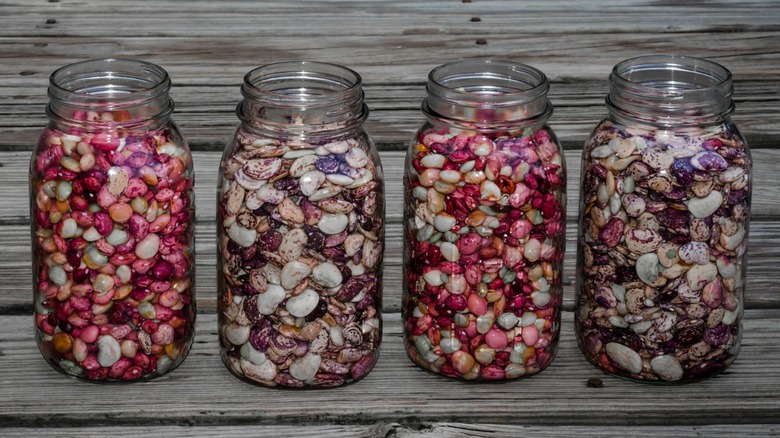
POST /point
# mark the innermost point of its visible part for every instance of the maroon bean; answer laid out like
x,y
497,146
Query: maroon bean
x,y
296,226
327,165
452,283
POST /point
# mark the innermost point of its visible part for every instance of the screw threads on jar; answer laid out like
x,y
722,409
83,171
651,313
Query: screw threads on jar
x,y
110,93
303,98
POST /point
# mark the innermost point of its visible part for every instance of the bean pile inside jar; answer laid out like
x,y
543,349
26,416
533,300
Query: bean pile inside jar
x,y
301,240
484,247
663,238
112,249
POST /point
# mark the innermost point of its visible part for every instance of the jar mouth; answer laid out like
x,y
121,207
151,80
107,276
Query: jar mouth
x,y
302,84
671,85
108,93
487,82
487,92
302,97
109,83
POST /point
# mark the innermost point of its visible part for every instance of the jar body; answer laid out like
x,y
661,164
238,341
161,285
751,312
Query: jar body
x,y
484,238
664,215
113,245
300,244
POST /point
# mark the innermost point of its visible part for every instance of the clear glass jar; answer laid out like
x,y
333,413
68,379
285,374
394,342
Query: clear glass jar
x,y
484,211
300,214
664,213
112,217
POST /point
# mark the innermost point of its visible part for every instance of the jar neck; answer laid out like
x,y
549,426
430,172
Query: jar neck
x,y
487,95
671,91
304,99
110,94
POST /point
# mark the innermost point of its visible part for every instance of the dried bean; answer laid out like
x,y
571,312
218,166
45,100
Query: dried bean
x,y
475,237
114,279
307,228
678,196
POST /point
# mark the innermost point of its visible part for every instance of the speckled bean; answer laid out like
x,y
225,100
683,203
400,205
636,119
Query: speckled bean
x,y
123,306
488,257
302,276
672,259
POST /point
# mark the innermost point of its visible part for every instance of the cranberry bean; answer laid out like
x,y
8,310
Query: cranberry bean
x,y
655,251
104,248
296,224
477,234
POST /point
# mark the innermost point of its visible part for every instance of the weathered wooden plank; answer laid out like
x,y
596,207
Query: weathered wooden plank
x,y
232,430
208,46
389,59
16,268
206,113
15,193
36,396
241,19
409,428
510,431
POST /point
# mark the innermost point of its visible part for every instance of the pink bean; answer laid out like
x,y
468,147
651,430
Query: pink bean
x,y
90,334
163,335
477,305
530,335
91,363
169,298
103,298
92,313
496,339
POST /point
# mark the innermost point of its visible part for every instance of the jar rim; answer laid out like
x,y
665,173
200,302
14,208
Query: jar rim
x,y
135,91
678,77
487,83
328,84
111,82
671,90
302,97
487,94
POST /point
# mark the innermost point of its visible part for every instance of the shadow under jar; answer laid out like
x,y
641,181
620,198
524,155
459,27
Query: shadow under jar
x,y
664,213
484,211
112,213
300,231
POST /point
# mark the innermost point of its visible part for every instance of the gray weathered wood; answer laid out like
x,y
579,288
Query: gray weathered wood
x,y
323,18
746,393
411,428
208,46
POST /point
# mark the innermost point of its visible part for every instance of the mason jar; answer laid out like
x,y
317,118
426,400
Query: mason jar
x,y
112,217
664,213
300,230
484,211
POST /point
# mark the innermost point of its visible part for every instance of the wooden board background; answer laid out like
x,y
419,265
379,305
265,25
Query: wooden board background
x,y
208,46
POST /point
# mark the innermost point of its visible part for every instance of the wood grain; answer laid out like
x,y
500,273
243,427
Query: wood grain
x,y
400,58
203,393
208,46
327,18
408,429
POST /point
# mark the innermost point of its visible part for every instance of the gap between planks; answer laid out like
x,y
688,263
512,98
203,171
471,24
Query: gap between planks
x,y
395,389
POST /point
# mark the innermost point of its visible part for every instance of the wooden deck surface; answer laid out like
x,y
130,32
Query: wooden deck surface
x,y
208,46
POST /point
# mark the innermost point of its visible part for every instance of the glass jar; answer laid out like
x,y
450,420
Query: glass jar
x,y
484,211
300,214
112,225
665,206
